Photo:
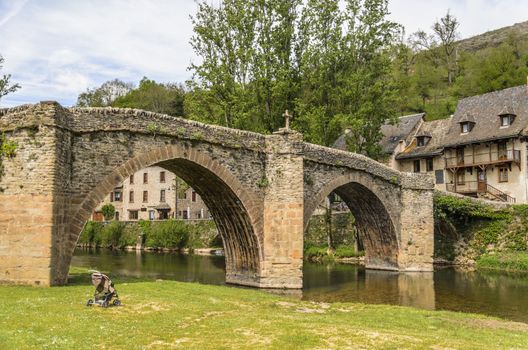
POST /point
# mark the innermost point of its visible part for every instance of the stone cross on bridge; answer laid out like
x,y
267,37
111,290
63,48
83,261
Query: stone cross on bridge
x,y
261,191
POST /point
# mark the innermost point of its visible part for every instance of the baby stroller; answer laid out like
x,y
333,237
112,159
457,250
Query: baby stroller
x,y
104,291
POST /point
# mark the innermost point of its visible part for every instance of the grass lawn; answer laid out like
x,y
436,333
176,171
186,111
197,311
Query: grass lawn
x,y
168,314
504,261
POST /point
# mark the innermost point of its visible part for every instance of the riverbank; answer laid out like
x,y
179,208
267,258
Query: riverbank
x,y
476,234
168,314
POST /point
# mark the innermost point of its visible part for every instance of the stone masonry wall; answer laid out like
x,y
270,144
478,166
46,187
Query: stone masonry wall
x,y
261,190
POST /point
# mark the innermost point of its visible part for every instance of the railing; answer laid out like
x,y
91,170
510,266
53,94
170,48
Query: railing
x,y
475,187
499,194
483,158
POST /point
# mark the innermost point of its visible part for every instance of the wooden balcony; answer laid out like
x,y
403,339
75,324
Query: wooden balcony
x,y
476,188
483,159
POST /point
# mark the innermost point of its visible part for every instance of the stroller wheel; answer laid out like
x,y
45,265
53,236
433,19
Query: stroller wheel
x,y
105,304
117,302
90,302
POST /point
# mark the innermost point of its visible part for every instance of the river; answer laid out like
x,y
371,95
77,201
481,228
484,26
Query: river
x,y
498,294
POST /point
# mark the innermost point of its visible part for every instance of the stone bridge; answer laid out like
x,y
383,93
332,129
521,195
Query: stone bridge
x,y
261,190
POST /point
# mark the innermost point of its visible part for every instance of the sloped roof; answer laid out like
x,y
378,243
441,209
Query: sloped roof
x,y
437,129
392,133
485,109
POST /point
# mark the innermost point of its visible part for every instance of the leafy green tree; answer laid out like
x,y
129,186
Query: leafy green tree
x,y
246,71
6,87
108,211
154,97
104,95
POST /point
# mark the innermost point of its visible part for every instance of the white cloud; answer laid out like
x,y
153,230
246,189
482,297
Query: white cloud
x,y
57,48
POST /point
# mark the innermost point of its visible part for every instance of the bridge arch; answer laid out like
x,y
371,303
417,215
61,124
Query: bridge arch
x,y
374,208
232,206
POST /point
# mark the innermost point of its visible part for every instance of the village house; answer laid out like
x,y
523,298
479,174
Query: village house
x,y
151,194
479,151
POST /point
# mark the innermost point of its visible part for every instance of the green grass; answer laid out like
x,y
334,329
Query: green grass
x,y
168,314
505,261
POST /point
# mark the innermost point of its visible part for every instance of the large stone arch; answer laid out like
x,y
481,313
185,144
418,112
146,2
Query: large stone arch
x,y
375,208
235,209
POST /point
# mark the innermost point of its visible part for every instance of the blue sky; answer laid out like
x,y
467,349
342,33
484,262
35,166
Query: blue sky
x,y
57,48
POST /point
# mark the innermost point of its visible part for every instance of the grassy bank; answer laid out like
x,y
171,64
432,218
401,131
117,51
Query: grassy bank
x,y
507,261
168,314
322,253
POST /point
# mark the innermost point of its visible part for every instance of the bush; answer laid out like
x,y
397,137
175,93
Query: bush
x,y
108,211
111,234
91,234
346,251
168,234
129,235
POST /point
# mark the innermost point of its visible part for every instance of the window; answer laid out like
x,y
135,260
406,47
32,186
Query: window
x,y
145,196
465,127
505,120
117,216
503,174
145,178
185,215
461,178
416,166
429,164
182,195
502,148
133,215
193,196
162,196
131,179
117,196
421,141
131,196
460,156
152,215
162,176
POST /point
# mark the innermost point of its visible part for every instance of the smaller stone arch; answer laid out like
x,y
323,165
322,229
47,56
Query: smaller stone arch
x,y
375,208
235,208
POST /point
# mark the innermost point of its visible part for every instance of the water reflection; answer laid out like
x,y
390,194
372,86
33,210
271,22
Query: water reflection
x,y
499,294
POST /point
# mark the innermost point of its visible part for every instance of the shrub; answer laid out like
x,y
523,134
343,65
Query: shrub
x,y
129,235
346,251
111,234
168,234
91,233
108,211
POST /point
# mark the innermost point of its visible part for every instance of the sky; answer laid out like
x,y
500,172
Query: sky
x,y
56,49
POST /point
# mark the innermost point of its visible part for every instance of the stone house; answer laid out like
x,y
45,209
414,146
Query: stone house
x,y
479,151
150,194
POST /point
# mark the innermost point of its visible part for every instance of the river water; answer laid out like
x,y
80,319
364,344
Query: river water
x,y
497,294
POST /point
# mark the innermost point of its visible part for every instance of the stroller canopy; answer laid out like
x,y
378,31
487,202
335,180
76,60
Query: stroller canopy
x,y
102,283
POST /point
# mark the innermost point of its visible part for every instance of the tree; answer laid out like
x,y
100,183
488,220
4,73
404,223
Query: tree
x,y
6,87
446,31
246,70
440,47
108,211
154,97
104,95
